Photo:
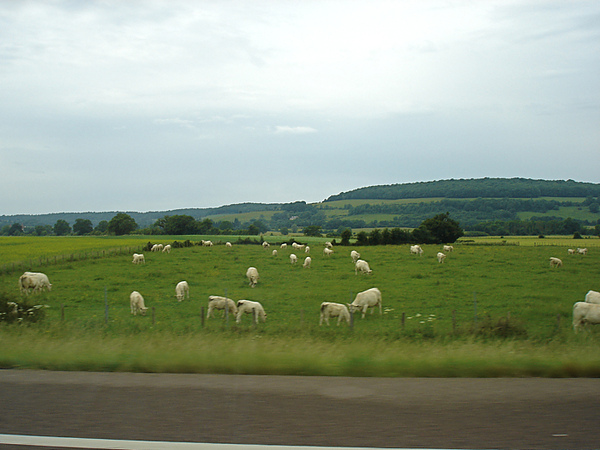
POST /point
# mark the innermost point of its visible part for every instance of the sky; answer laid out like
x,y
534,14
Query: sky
x,y
114,105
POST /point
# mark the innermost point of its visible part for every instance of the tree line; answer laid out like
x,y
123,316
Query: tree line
x,y
474,188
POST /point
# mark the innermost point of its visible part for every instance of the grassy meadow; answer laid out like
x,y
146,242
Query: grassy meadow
x,y
489,310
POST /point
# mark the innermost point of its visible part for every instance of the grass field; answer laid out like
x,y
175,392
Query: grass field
x,y
489,310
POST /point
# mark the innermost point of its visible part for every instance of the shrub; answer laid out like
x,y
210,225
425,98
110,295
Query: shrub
x,y
12,311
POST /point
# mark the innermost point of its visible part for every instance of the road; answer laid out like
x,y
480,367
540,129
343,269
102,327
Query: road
x,y
522,413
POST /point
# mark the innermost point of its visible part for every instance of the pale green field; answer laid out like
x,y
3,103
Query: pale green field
x,y
489,310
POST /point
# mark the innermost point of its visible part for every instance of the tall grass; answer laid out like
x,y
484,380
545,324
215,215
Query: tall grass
x,y
487,311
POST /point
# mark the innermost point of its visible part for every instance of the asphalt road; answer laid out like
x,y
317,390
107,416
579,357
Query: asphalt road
x,y
316,411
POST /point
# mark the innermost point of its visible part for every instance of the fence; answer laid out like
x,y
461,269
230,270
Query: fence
x,y
43,261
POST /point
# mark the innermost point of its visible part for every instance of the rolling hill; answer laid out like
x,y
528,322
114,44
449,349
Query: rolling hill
x,y
470,201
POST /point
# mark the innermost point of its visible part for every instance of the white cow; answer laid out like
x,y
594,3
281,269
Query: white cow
x,y
293,258
284,245
206,243
570,251
327,251
155,248
582,251
167,248
252,275
592,297
448,248
265,244
362,267
365,300
584,313
307,262
329,309
416,250
355,256
136,302
228,244
555,262
274,252
328,244
250,307
138,258
36,281
221,303
182,290
441,257
307,249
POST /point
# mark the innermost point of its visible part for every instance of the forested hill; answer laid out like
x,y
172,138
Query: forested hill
x,y
474,188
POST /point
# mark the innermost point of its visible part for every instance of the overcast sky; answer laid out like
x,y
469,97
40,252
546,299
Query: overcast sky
x,y
157,105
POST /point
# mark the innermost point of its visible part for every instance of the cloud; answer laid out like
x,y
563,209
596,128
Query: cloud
x,y
294,130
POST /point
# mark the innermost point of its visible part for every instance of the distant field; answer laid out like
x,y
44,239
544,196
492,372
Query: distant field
x,y
489,310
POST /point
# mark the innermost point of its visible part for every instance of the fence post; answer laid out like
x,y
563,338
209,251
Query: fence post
x,y
105,306
226,310
475,306
453,321
403,319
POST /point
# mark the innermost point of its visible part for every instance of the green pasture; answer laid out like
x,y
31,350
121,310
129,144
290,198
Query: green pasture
x,y
489,310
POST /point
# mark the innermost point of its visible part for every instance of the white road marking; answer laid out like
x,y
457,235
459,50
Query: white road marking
x,y
117,444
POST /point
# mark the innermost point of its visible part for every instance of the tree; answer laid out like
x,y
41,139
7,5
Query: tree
x,y
179,224
82,226
16,229
346,235
62,227
102,226
312,230
121,224
441,229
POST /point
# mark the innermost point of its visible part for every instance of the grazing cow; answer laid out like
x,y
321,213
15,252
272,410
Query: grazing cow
x,y
570,251
441,257
329,309
274,252
250,307
582,251
307,249
365,300
362,267
592,297
284,245
167,248
228,244
327,251
416,250
293,258
448,248
328,244
307,262
136,302
584,313
138,258
182,290
222,303
206,243
265,244
355,256
154,248
36,281
252,275
555,262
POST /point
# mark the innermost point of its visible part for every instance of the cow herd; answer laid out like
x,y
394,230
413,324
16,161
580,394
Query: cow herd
x,y
585,312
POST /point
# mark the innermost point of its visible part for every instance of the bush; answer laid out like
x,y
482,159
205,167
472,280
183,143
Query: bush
x,y
12,311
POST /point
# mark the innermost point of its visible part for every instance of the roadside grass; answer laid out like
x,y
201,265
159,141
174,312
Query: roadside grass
x,y
487,311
